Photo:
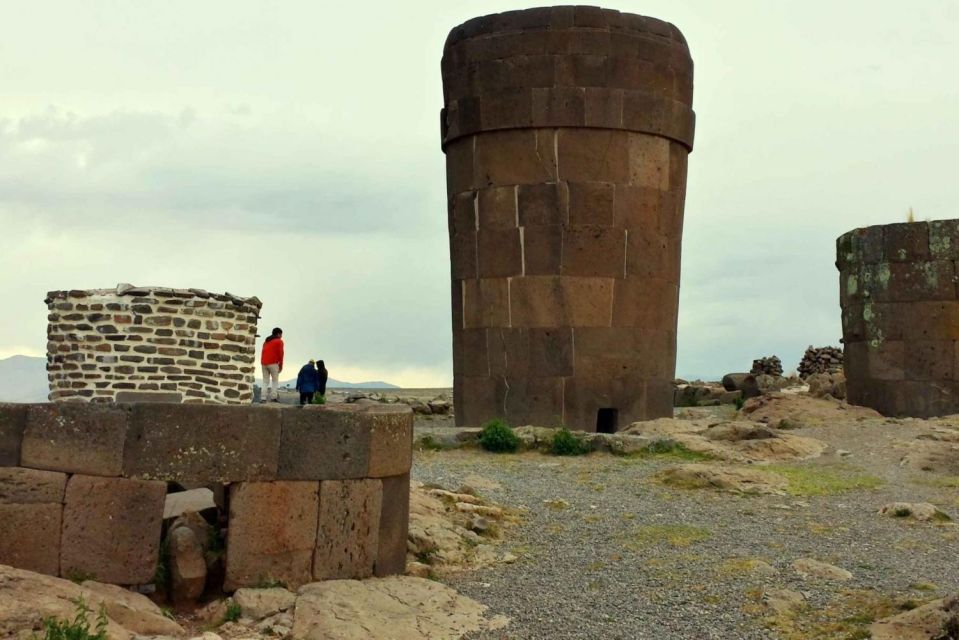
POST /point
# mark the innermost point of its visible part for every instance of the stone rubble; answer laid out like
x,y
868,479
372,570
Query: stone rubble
x,y
771,366
820,360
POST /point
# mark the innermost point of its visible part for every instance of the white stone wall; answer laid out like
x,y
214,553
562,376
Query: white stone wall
x,y
151,343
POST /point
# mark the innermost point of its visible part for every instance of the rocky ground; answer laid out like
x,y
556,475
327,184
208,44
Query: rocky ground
x,y
793,518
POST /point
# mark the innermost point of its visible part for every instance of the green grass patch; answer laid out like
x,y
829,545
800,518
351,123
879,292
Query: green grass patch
x,y
671,450
79,628
428,443
233,612
675,535
823,480
497,437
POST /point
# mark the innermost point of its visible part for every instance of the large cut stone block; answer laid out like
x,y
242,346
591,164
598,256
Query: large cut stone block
x,y
508,351
497,208
551,352
30,486
542,204
549,301
202,443
513,157
499,253
30,536
645,302
13,421
470,353
391,440
594,251
346,541
394,526
486,303
111,529
75,438
593,155
319,443
272,533
542,250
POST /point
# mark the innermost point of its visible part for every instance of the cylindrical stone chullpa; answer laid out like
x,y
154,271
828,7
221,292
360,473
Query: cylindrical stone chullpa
x,y
900,317
566,132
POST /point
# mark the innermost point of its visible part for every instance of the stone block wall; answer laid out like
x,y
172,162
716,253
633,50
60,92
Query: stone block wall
x,y
900,317
566,132
136,344
316,493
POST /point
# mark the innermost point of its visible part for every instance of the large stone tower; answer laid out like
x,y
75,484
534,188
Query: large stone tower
x,y
900,317
566,132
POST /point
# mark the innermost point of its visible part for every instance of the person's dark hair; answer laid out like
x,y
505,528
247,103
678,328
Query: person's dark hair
x,y
320,364
277,332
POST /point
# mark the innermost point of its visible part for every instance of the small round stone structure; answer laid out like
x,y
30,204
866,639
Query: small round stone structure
x,y
566,132
900,317
151,344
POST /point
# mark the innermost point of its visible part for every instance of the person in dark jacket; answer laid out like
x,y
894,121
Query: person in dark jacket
x,y
307,382
321,377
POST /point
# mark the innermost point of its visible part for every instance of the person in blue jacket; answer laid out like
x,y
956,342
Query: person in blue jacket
x,y
307,382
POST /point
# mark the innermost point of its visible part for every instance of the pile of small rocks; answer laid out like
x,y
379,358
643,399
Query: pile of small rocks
x,y
820,360
771,366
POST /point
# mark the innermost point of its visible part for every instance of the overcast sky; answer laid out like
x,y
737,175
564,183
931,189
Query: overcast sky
x,y
290,150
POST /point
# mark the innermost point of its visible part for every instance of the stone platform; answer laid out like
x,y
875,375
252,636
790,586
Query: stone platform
x,y
314,493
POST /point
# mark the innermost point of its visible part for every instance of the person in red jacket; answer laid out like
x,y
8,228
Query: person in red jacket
x,y
272,361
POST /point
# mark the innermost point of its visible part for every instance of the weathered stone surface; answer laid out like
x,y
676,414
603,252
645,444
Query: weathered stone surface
x,y
263,603
395,608
186,564
394,526
272,535
75,438
202,443
13,420
30,536
349,524
810,568
191,501
936,620
30,486
391,441
27,599
321,442
111,528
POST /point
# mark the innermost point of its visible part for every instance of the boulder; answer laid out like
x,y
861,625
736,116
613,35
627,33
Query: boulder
x,y
734,381
263,603
936,620
724,478
810,568
921,511
827,384
190,501
439,406
187,565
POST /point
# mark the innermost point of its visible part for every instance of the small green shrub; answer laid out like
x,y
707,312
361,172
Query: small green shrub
x,y
428,443
497,437
669,448
233,612
739,402
318,399
79,627
270,583
902,512
566,444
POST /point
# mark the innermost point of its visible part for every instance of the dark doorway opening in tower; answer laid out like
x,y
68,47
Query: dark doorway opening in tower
x,y
607,420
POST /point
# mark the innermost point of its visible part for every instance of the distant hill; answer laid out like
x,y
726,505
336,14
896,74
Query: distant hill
x,y
23,379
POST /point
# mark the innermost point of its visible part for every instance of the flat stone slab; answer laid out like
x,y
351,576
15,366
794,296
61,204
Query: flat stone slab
x,y
201,443
75,438
30,536
320,443
13,421
346,543
31,486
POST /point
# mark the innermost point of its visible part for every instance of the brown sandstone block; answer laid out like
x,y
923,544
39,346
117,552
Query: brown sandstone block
x,y
272,533
921,320
549,301
348,533
470,353
111,528
678,167
497,208
30,536
593,155
645,302
653,255
508,352
637,208
463,262
658,399
929,360
542,204
202,443
475,400
944,239
579,71
30,486
604,107
594,251
394,526
551,352
506,109
459,165
391,440
519,156
909,281
463,212
536,401
542,250
584,396
644,112
632,73
591,203
75,438
319,442
486,303
499,253
649,161
13,421
906,242
559,107
853,323
886,361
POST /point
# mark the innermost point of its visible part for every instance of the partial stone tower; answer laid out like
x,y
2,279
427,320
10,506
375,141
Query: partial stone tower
x,y
900,317
151,344
566,132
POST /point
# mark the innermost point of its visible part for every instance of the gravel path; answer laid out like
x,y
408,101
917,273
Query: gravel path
x,y
625,557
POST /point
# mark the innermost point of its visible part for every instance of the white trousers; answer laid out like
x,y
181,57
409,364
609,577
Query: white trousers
x,y
271,381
